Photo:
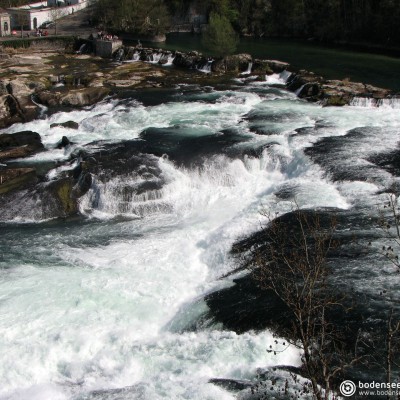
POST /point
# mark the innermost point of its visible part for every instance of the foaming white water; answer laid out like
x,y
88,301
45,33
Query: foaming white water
x,y
392,103
102,323
97,306
278,79
299,90
248,70
111,120
364,102
206,68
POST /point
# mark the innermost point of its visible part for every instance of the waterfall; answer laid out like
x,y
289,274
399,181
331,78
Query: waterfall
x,y
166,58
206,68
156,234
299,90
82,49
118,196
278,79
248,71
363,102
370,102
390,103
119,55
43,109
284,75
155,58
136,56
170,60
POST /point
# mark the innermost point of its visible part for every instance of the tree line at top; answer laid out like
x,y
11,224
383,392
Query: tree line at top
x,y
325,20
371,21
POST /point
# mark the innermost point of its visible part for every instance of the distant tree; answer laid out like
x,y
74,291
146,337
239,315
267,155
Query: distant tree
x,y
13,3
224,8
220,38
22,21
55,14
147,17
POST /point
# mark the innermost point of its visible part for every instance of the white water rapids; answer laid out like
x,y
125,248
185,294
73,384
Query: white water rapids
x,y
86,308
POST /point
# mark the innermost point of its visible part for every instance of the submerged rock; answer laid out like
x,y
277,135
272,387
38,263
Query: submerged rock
x,y
68,124
64,142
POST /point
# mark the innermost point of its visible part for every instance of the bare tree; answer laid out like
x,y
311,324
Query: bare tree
x,y
389,222
293,264
22,21
55,14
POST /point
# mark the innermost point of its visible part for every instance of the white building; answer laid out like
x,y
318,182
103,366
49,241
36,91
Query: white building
x,y
4,23
33,15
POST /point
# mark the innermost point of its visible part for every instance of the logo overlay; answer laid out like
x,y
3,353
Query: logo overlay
x,y
347,388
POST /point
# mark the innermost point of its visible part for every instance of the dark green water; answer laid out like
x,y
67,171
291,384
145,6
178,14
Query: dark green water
x,y
332,63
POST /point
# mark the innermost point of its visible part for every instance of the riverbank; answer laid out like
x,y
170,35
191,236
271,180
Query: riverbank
x,y
64,79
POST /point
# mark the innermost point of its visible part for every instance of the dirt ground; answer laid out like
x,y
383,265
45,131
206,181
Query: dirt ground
x,y
77,24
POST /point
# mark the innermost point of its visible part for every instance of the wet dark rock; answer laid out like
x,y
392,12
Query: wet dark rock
x,y
164,58
83,185
235,63
41,200
62,191
67,124
287,192
187,60
233,385
312,87
389,161
146,55
262,67
342,92
188,151
74,97
120,159
332,154
16,178
247,306
20,144
22,138
305,84
64,142
15,101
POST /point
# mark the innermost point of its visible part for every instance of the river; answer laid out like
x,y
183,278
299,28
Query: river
x,y
103,306
330,62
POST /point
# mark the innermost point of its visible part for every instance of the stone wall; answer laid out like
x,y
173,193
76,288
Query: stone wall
x,y
106,48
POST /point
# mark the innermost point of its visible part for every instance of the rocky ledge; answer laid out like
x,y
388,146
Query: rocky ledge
x,y
29,81
305,84
313,87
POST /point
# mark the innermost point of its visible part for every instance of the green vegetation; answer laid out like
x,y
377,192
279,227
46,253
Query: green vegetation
x,y
146,17
13,3
334,20
220,38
